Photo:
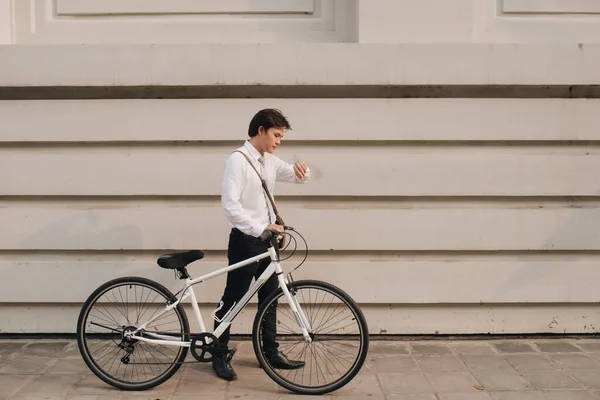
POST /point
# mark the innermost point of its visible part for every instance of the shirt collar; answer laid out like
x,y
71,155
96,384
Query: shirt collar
x,y
252,150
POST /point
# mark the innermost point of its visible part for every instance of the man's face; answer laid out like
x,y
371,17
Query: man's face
x,y
271,138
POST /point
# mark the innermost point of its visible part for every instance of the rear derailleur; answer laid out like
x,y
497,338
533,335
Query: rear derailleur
x,y
127,343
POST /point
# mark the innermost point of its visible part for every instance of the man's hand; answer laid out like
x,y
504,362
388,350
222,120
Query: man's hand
x,y
275,227
300,170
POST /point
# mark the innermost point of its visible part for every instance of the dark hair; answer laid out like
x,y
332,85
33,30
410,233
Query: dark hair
x,y
267,118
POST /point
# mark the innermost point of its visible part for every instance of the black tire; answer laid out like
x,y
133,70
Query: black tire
x,y
324,347
96,311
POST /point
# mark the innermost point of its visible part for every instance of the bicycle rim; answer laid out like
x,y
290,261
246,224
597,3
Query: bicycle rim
x,y
339,338
123,305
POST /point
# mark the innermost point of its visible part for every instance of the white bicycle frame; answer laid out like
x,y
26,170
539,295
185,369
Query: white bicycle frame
x,y
274,267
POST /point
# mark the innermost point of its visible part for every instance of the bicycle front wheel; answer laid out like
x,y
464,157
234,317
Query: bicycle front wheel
x,y
339,333
121,306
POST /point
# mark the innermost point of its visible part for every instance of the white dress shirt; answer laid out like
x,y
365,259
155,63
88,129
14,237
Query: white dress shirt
x,y
242,195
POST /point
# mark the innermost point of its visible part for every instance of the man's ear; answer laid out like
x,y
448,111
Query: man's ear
x,y
261,130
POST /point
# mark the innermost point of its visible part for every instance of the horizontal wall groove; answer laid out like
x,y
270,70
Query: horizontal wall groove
x,y
297,91
473,306
296,141
305,201
448,256
400,320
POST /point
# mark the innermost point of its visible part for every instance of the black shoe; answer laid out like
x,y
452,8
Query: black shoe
x,y
280,361
223,368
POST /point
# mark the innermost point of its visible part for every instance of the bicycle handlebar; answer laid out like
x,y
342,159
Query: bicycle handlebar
x,y
268,234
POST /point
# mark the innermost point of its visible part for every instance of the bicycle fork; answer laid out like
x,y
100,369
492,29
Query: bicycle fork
x,y
296,309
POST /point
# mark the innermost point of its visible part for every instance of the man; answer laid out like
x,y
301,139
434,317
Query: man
x,y
249,211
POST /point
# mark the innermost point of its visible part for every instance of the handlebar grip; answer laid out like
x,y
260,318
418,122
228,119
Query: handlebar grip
x,y
266,235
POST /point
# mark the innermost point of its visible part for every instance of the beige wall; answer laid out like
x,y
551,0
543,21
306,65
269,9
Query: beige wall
x,y
479,21
467,230
183,21
463,197
332,21
6,21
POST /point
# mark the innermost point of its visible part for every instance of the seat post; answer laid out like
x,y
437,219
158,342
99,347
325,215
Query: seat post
x,y
183,273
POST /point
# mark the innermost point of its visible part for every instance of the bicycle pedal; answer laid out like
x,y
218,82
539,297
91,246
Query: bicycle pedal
x,y
231,353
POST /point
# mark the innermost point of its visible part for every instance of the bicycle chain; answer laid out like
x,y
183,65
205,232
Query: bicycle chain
x,y
205,347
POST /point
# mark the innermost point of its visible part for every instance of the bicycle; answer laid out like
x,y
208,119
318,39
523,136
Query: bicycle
x,y
140,344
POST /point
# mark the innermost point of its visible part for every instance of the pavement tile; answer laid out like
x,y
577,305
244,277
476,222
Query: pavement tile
x,y
452,382
574,361
9,348
245,366
551,380
201,384
11,383
405,383
514,346
546,369
485,362
590,378
50,384
162,391
395,364
71,351
423,349
589,346
387,348
471,347
25,365
206,368
364,384
557,347
525,362
441,364
502,380
537,395
595,356
88,385
465,396
45,349
68,366
569,395
249,383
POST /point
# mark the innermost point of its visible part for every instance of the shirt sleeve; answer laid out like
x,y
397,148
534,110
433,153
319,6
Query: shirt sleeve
x,y
285,172
231,190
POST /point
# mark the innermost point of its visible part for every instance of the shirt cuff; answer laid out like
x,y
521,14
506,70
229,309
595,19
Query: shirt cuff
x,y
258,229
306,176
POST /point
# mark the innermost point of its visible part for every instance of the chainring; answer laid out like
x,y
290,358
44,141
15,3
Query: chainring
x,y
200,341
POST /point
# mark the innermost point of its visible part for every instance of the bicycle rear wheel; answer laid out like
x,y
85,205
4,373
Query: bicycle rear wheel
x,y
121,306
339,332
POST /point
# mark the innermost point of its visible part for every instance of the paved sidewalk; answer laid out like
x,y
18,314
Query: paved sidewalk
x,y
551,369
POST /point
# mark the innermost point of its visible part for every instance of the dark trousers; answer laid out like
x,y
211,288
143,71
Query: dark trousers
x,y
242,247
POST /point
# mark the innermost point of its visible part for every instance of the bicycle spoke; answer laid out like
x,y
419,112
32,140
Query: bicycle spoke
x,y
336,351
124,359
